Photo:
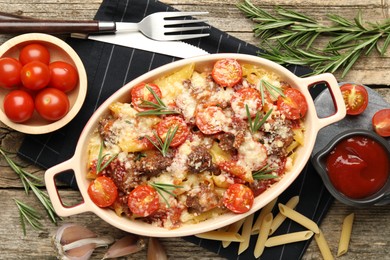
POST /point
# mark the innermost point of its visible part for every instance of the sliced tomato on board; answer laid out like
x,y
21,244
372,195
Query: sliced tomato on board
x,y
355,98
246,97
227,72
210,120
381,122
143,200
103,191
238,198
293,105
171,122
141,94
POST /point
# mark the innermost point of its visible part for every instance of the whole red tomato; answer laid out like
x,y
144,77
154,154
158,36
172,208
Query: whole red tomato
x,y
35,75
381,122
18,106
52,104
9,72
355,98
34,51
63,76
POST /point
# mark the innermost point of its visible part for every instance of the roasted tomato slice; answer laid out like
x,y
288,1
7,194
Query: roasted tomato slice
x,y
227,72
171,122
103,191
246,97
293,105
381,122
210,120
140,95
143,201
355,98
238,198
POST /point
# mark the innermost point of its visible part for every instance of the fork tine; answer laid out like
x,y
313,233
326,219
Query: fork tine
x,y
180,37
179,14
176,22
182,29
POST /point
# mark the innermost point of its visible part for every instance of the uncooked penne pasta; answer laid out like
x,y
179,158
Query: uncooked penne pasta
x,y
323,246
221,236
234,228
279,218
289,238
246,233
345,236
299,218
264,211
263,234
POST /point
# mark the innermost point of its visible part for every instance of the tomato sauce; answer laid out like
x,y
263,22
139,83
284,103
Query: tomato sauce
x,y
358,167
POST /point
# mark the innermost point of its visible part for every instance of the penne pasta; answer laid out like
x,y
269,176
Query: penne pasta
x,y
246,233
323,246
264,211
345,236
289,238
221,236
263,234
299,218
279,219
234,228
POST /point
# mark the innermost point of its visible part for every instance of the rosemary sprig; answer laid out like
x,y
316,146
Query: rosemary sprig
x,y
158,108
273,90
101,163
264,173
293,36
33,183
256,123
161,145
162,188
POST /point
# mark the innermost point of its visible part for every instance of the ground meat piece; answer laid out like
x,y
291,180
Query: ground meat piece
x,y
202,199
226,142
152,163
104,129
278,135
123,178
199,160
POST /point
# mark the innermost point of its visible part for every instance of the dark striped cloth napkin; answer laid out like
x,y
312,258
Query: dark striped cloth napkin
x,y
109,67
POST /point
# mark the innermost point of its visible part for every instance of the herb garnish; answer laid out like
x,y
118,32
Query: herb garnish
x,y
256,123
158,108
167,188
266,85
264,173
161,145
101,164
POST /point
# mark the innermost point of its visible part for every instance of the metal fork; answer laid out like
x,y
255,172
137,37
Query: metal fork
x,y
158,26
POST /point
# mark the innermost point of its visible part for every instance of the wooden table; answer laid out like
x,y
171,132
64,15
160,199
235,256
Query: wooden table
x,y
371,233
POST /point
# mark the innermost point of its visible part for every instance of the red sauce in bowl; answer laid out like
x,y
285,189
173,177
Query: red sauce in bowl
x,y
358,166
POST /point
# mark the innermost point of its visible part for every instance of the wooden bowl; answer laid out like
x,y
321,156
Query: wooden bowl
x,y
59,51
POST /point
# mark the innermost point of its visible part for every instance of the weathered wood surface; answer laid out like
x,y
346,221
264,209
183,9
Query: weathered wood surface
x,y
371,233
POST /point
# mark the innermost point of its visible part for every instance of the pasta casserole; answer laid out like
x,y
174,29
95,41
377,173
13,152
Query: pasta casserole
x,y
195,144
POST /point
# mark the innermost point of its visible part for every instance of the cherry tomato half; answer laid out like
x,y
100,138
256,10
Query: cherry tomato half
x,y
246,97
103,191
355,98
227,72
140,93
34,51
63,76
52,104
293,105
10,73
18,106
143,200
238,198
35,75
210,120
381,122
171,122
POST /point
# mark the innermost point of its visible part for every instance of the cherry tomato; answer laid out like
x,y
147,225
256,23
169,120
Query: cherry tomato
x,y
140,93
171,122
34,52
210,120
63,76
10,73
18,106
103,191
246,97
293,105
381,122
35,75
52,104
238,198
355,98
235,169
227,72
143,200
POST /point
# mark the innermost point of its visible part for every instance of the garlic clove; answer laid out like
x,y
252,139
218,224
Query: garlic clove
x,y
155,250
127,245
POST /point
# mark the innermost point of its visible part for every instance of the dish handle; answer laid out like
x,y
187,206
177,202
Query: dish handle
x,y
52,190
337,97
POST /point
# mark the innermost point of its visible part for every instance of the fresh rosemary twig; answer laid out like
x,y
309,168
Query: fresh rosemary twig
x,y
167,188
256,123
293,36
158,108
265,85
161,145
264,174
31,182
101,164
